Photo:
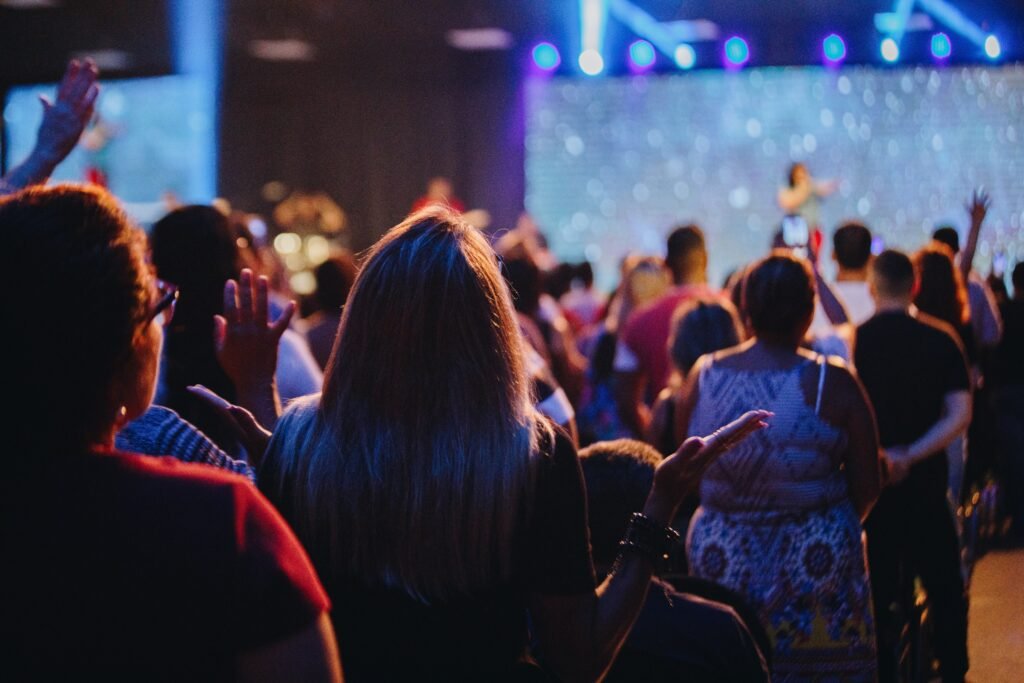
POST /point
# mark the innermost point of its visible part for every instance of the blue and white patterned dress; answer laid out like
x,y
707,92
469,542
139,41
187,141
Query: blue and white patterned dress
x,y
776,525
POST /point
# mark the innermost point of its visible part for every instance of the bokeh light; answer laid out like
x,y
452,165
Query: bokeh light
x,y
737,52
641,54
546,56
591,62
685,56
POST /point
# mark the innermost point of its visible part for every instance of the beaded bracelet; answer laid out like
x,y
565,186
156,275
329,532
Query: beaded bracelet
x,y
649,539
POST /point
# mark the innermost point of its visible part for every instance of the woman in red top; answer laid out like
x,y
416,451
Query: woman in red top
x,y
119,566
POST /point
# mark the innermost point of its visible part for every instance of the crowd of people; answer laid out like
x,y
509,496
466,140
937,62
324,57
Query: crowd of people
x,y
469,464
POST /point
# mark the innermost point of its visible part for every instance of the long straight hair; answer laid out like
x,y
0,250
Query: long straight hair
x,y
416,473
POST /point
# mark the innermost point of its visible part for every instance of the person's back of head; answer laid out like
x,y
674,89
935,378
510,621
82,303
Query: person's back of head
x,y
686,255
334,279
525,281
851,246
1018,281
558,280
778,298
75,295
701,326
618,476
417,470
892,276
941,292
585,274
196,248
948,235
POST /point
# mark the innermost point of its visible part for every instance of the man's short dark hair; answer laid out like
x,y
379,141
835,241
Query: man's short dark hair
x,y
948,236
893,273
618,475
851,244
685,250
1018,279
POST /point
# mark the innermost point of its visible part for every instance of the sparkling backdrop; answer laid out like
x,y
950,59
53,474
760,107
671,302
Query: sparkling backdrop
x,y
612,164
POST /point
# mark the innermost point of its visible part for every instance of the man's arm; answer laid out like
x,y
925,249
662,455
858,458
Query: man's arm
x,y
62,126
956,416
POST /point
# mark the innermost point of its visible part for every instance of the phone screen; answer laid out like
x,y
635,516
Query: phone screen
x,y
794,231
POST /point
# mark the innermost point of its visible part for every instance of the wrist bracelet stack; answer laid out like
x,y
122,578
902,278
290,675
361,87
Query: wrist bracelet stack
x,y
648,539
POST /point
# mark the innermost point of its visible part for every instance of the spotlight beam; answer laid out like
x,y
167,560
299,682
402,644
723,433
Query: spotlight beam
x,y
902,12
955,20
593,20
644,25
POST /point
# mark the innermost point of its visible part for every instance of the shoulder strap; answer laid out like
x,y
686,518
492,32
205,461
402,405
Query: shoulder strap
x,y
822,364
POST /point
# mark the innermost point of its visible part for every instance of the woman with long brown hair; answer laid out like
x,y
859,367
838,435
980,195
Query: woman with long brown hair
x,y
941,292
440,509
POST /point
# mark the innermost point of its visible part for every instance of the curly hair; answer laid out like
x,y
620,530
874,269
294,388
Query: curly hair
x,y
75,292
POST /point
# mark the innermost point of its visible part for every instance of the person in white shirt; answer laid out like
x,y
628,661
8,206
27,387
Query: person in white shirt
x,y
851,250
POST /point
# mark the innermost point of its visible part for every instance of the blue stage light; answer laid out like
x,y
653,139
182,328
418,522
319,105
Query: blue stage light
x,y
737,52
890,50
833,48
941,47
641,54
685,56
992,47
546,57
591,62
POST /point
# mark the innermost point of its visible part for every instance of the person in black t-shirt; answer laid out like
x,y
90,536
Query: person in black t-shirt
x,y
916,375
1008,373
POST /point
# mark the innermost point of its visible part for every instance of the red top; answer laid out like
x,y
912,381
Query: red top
x,y
127,565
647,331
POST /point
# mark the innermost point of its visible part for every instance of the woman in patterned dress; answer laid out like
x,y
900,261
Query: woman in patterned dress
x,y
780,516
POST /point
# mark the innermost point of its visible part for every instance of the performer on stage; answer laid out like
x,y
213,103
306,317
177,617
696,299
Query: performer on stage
x,y
804,195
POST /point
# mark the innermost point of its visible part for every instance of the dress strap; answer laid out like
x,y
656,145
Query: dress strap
x,y
821,382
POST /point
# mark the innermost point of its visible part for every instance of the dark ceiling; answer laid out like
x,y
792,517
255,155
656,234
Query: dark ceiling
x,y
369,35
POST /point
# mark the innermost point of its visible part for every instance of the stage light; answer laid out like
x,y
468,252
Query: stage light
x,y
641,54
833,48
941,47
737,52
992,47
890,50
685,56
546,57
591,62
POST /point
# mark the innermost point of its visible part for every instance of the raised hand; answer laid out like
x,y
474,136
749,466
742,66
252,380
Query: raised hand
x,y
245,339
66,118
680,473
62,126
977,208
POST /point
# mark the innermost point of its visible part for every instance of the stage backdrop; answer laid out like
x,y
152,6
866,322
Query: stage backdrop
x,y
612,164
